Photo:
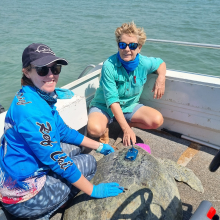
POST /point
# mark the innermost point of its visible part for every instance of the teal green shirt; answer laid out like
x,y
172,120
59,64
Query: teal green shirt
x,y
116,85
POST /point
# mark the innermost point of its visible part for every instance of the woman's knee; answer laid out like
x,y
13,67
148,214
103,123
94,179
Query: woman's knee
x,y
70,149
86,164
157,121
153,122
95,129
93,164
97,124
92,167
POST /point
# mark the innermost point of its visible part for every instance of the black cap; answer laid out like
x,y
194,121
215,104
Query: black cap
x,y
40,55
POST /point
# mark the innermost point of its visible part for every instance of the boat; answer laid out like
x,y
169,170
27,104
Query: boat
x,y
191,129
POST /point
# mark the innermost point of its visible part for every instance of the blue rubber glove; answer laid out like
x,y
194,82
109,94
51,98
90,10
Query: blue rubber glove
x,y
104,190
107,149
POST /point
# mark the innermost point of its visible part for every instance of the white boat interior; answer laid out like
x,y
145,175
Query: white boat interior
x,y
190,104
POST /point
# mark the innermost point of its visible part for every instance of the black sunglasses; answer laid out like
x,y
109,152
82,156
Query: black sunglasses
x,y
132,46
44,70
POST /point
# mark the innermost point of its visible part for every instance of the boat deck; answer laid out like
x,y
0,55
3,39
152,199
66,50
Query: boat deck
x,y
193,156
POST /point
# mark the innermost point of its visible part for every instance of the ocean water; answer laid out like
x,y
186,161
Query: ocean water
x,y
83,33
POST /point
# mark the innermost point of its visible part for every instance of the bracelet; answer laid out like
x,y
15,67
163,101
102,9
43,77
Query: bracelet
x,y
99,148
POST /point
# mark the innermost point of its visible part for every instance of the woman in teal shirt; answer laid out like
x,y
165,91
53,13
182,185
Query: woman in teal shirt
x,y
122,80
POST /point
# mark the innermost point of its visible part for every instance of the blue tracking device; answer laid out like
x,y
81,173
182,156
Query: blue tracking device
x,y
132,153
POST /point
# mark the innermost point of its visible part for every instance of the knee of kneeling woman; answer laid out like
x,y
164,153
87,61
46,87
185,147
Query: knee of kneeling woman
x,y
92,167
158,121
95,130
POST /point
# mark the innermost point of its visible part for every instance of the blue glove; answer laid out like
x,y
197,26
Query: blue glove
x,y
104,190
107,149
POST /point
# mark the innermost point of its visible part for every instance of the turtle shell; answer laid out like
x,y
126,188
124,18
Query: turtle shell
x,y
151,192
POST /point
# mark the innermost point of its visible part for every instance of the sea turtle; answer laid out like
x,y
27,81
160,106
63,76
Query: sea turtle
x,y
151,192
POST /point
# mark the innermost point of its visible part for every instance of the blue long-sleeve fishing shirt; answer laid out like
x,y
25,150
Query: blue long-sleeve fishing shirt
x,y
31,143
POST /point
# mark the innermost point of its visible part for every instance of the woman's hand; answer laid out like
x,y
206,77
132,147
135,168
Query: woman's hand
x,y
104,190
128,133
128,136
101,190
107,149
159,87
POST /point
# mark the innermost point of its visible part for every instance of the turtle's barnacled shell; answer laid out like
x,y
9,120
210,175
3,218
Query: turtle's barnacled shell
x,y
152,192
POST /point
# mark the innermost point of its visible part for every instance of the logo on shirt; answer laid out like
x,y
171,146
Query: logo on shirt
x,y
60,157
21,100
45,134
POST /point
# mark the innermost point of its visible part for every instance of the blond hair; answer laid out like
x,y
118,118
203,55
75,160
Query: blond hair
x,y
131,29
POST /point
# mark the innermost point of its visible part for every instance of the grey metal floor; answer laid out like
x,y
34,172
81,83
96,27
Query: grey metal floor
x,y
166,146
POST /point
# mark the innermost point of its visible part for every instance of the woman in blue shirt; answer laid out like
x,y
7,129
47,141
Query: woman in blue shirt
x,y
41,164
122,80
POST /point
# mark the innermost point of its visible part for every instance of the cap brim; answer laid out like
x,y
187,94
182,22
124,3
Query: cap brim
x,y
46,60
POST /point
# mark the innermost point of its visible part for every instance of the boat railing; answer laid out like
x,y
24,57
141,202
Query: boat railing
x,y
1,109
84,71
212,46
